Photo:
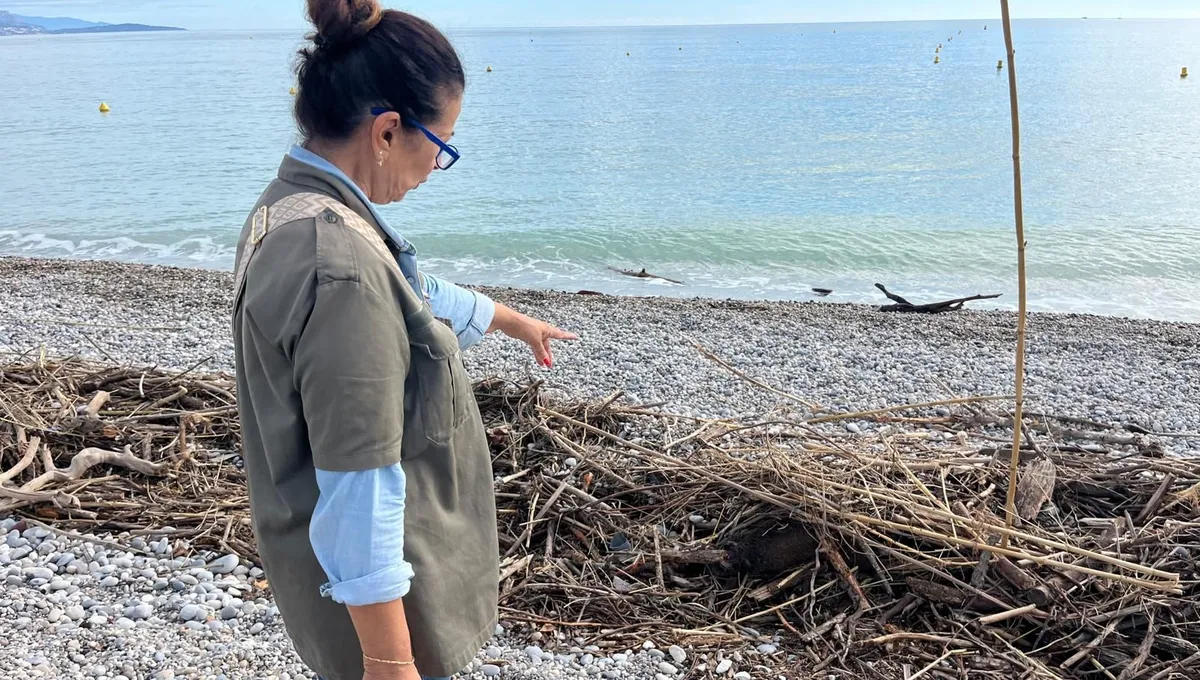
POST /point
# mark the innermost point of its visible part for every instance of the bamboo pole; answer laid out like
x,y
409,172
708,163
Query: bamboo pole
x,y
1018,415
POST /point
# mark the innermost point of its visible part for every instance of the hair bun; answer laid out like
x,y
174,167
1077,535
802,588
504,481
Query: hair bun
x,y
342,21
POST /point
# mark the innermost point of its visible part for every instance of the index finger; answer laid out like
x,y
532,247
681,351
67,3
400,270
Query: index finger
x,y
559,334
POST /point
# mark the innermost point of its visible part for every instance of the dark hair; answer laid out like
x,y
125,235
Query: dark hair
x,y
363,56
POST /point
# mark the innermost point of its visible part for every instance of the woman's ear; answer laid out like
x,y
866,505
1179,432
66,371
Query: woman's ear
x,y
385,126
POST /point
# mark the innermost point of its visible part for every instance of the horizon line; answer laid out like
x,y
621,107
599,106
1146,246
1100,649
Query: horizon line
x,y
761,23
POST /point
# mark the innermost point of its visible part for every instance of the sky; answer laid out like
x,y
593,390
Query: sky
x,y
288,14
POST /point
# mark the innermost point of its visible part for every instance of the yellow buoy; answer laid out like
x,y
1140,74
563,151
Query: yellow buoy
x,y
999,64
936,59
489,69
1183,73
104,108
292,92
937,49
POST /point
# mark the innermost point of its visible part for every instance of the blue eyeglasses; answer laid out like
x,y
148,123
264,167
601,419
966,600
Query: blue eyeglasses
x,y
447,156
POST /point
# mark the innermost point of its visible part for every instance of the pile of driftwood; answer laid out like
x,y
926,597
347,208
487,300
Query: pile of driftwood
x,y
815,552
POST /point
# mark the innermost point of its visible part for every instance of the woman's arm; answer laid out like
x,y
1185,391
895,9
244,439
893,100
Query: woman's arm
x,y
357,535
350,362
533,332
473,315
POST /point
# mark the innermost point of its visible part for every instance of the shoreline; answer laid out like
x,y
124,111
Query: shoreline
x,y
23,263
846,357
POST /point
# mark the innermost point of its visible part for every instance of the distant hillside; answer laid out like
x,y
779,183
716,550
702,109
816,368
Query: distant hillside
x,y
13,24
57,23
117,28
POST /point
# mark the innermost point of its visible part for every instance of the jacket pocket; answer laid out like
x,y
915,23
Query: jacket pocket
x,y
437,380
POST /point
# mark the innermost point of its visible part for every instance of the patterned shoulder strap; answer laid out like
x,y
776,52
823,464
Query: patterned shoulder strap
x,y
293,209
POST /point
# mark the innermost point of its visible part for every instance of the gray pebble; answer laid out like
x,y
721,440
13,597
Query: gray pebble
x,y
489,670
110,582
39,572
125,623
224,565
230,612
256,628
139,612
677,653
75,613
724,666
767,649
190,612
666,668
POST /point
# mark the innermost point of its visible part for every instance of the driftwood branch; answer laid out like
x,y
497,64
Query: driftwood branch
x,y
903,305
643,274
86,460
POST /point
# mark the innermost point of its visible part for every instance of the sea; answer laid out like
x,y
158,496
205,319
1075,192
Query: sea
x,y
751,162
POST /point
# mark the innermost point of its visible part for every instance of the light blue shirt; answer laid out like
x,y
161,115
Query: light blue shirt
x,y
357,528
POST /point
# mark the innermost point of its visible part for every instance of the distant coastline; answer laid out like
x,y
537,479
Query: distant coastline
x,y
13,24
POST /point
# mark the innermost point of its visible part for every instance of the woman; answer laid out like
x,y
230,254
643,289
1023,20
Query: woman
x,y
370,477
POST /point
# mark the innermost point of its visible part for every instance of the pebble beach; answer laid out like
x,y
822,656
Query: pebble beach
x,y
131,607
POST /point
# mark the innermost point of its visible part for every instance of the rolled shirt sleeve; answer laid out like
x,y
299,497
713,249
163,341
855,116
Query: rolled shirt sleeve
x,y
357,533
469,313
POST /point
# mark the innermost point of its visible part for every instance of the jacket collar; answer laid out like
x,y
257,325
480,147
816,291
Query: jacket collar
x,y
309,170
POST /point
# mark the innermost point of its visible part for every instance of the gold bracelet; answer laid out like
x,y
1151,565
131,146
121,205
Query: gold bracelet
x,y
389,661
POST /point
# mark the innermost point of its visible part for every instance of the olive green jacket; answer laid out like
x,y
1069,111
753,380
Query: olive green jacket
x,y
342,366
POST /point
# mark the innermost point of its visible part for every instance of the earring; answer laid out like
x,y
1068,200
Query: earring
x,y
381,159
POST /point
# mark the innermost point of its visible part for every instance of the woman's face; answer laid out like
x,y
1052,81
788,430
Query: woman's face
x,y
408,156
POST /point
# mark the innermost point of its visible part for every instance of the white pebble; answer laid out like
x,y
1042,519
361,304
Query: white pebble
x,y
724,666
677,653
489,670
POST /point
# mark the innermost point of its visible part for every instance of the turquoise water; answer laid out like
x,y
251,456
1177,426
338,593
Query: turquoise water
x,y
755,162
